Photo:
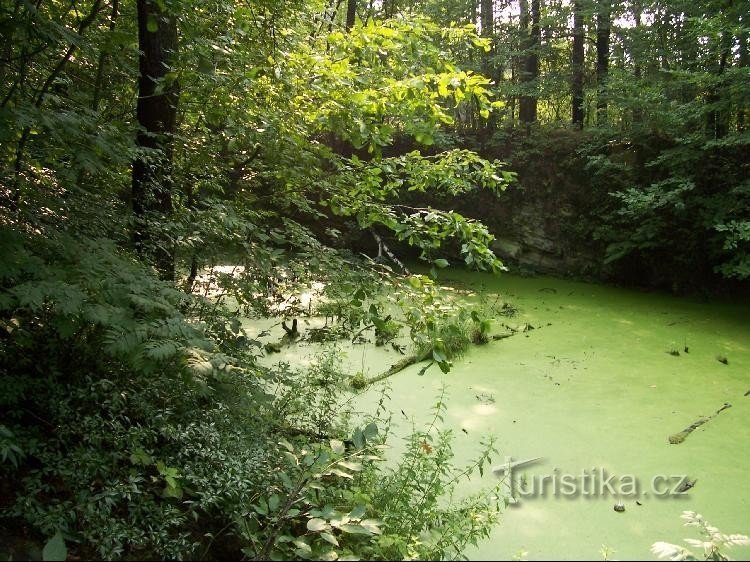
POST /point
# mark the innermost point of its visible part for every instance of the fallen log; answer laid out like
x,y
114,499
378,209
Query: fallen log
x,y
677,438
400,366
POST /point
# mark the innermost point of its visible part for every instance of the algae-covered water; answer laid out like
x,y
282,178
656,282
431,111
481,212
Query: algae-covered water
x,y
596,389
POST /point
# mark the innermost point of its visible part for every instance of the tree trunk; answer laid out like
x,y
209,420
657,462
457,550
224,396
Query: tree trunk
x,y
487,17
351,13
99,80
577,65
635,53
742,63
532,39
717,97
157,117
603,19
389,8
487,23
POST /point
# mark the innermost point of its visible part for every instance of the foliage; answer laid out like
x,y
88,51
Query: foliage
x,y
417,523
155,438
684,213
713,544
115,398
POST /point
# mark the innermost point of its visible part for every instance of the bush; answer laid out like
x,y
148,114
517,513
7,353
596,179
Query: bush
x,y
128,428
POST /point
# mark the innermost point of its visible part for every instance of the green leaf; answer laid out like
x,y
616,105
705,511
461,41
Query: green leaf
x,y
441,263
359,439
303,553
273,502
328,537
55,548
337,446
139,456
354,529
371,431
152,25
339,472
316,525
372,525
358,512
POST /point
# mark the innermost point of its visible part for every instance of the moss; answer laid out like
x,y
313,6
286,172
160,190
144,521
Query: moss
x,y
358,381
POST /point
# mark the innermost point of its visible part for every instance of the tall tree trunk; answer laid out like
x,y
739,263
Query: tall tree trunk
x,y
529,67
577,61
512,101
389,8
98,82
717,98
742,63
157,118
603,19
351,13
487,17
532,37
487,23
635,53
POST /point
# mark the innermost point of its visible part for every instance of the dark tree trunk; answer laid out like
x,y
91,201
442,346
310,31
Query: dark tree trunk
x,y
637,14
577,61
157,117
487,17
742,62
603,19
351,13
717,98
99,80
487,22
389,8
532,38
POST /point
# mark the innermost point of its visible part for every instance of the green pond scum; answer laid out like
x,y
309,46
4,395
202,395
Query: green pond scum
x,y
592,393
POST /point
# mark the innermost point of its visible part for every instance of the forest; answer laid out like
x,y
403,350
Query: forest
x,y
347,279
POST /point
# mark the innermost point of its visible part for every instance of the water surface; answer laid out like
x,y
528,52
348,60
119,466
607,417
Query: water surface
x,y
594,388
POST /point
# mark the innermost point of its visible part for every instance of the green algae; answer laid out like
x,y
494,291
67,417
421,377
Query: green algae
x,y
592,388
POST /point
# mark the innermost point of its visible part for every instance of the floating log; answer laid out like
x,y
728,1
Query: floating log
x,y
677,438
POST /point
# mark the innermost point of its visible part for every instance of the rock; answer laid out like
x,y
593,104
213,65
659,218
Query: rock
x,y
506,248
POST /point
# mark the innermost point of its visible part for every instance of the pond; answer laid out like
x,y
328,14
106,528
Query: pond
x,y
595,390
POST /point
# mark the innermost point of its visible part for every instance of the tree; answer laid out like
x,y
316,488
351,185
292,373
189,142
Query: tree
x,y
158,94
577,62
531,39
742,63
351,13
636,55
603,22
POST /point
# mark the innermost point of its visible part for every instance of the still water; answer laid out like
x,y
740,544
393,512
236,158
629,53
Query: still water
x,y
595,390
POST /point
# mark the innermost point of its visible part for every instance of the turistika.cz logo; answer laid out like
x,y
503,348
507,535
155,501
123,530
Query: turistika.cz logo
x,y
596,482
